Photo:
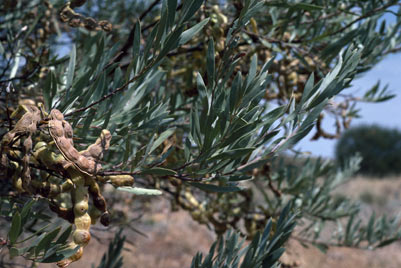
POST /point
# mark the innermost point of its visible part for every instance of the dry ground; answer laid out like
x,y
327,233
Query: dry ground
x,y
173,237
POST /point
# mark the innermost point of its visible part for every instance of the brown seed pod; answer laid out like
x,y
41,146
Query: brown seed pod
x,y
68,15
95,151
62,133
64,213
105,219
98,201
79,170
90,24
27,125
77,3
105,25
75,21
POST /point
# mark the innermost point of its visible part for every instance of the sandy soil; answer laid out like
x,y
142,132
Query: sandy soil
x,y
173,238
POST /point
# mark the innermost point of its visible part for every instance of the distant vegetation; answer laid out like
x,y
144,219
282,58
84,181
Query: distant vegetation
x,y
379,147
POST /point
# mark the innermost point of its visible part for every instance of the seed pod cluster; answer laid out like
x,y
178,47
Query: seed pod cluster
x,y
68,15
63,169
82,220
25,127
98,201
62,134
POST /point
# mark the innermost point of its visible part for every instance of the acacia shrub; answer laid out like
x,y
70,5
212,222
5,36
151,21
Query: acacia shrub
x,y
379,147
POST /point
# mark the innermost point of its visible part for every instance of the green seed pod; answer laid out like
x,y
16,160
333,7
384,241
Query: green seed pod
x,y
81,237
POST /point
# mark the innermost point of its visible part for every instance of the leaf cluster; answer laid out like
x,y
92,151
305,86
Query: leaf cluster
x,y
200,97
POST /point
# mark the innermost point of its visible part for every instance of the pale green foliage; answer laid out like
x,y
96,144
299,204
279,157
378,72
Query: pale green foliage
x,y
137,82
263,251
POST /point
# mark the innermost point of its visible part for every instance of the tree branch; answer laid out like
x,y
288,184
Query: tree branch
x,y
111,94
130,40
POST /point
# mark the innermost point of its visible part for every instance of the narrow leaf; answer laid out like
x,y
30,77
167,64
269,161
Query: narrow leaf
x,y
166,134
216,188
71,67
15,229
159,171
140,191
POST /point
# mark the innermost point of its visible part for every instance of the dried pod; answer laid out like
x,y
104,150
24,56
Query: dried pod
x,y
78,168
105,219
73,19
66,13
90,23
64,213
106,26
120,180
95,151
77,3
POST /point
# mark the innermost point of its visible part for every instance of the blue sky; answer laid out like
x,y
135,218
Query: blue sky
x,y
386,114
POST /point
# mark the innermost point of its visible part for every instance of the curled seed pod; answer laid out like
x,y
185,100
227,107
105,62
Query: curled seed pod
x,y
26,125
75,257
100,203
81,237
81,208
64,213
105,219
66,186
68,132
70,163
47,189
56,115
56,129
26,174
75,21
17,183
95,151
77,3
28,144
83,222
95,214
90,23
120,180
61,132
66,13
106,26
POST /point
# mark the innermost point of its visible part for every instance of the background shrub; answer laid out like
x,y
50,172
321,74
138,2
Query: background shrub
x,y
379,147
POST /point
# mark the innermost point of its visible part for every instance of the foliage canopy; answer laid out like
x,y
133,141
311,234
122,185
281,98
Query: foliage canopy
x,y
192,99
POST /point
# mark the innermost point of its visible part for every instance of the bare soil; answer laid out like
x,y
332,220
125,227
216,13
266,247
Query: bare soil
x,y
173,238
